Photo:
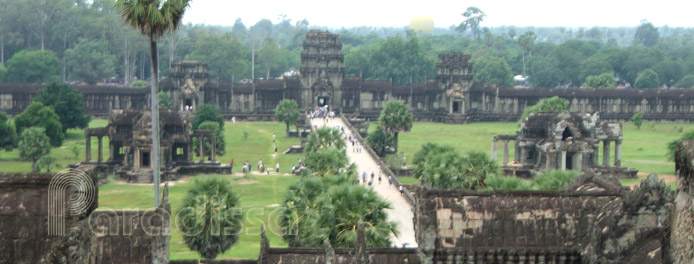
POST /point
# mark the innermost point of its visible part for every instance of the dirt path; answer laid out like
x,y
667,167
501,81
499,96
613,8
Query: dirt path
x,y
401,212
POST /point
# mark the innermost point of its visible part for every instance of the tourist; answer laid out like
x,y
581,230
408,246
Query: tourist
x,y
379,177
277,167
363,177
273,138
370,182
231,164
275,148
372,175
401,190
250,167
261,168
390,180
233,119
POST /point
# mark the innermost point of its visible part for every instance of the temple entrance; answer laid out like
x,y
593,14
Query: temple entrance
x,y
188,102
569,161
323,100
566,134
145,159
456,107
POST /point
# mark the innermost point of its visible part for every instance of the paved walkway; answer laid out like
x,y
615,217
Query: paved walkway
x,y
401,213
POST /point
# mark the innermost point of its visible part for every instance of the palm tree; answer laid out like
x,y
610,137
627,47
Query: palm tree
x,y
153,18
300,197
395,117
323,138
210,219
337,213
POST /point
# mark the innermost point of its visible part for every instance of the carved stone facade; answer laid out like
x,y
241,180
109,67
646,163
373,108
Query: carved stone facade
x,y
683,224
563,141
130,146
452,96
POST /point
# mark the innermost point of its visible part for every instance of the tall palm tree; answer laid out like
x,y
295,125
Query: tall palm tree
x,y
153,18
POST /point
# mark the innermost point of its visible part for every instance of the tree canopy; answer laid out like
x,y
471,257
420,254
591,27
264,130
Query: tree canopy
x,y
165,102
207,112
38,66
8,136
210,218
327,161
646,34
90,61
648,79
395,118
40,115
553,104
378,140
324,138
602,81
473,18
34,144
493,70
444,167
287,111
67,104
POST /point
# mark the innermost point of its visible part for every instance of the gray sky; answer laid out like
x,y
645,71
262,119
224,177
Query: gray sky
x,y
388,13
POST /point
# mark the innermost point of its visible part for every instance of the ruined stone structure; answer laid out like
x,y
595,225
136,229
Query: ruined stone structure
x,y
563,141
683,224
451,96
130,145
27,218
594,221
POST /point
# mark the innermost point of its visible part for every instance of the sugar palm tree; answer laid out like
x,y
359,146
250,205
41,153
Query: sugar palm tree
x,y
153,18
323,138
395,118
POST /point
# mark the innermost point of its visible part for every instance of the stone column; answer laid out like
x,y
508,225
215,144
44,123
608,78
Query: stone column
x,y
214,140
494,150
505,160
88,148
202,148
99,147
563,160
606,153
618,153
578,161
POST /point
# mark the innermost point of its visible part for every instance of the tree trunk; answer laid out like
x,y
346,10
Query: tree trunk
x,y
395,140
33,166
287,123
155,119
523,64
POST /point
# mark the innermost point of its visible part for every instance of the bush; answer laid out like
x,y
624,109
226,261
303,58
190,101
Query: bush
x,y
500,182
686,82
139,83
554,180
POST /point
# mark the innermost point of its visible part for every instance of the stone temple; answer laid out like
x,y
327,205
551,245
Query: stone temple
x,y
452,95
563,141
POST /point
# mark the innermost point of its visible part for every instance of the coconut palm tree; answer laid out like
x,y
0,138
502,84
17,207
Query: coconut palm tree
x,y
153,18
323,138
301,196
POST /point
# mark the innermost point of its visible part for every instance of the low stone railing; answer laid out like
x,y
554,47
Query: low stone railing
x,y
384,167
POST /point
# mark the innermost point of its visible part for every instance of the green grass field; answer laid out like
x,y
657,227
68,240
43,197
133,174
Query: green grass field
x,y
260,198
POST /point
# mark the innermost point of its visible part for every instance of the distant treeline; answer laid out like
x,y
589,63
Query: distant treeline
x,y
87,41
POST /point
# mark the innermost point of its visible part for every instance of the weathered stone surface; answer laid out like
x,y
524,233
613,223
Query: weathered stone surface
x,y
682,236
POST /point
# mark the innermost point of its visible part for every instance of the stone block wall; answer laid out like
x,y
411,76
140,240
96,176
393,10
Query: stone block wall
x,y
24,221
682,236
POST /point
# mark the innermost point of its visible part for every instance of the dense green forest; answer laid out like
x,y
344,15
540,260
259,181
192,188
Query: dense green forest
x,y
86,41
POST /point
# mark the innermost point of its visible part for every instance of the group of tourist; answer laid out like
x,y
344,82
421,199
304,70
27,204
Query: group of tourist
x,y
247,167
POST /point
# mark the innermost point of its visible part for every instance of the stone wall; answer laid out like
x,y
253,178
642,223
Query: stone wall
x,y
682,236
93,236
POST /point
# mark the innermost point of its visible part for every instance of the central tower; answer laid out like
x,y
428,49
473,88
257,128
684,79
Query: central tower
x,y
322,70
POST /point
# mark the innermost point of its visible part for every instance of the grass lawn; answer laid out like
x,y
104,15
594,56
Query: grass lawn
x,y
260,197
11,162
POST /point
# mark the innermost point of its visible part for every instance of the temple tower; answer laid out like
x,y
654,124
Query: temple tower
x,y
454,76
322,70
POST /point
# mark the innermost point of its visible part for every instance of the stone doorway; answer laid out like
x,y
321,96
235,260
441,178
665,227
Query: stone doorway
x,y
145,159
323,100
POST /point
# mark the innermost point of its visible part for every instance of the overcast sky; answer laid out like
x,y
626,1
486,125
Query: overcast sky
x,y
390,13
